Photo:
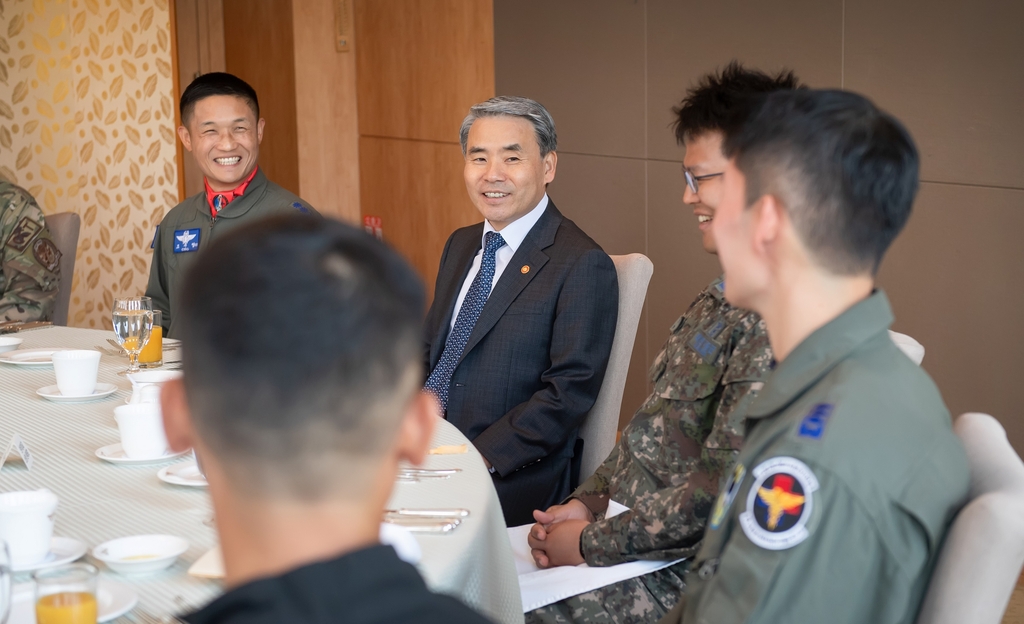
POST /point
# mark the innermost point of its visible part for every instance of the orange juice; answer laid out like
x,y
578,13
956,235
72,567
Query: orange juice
x,y
67,608
153,351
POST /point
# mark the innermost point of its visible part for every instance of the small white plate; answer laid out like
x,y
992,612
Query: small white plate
x,y
9,343
62,550
140,554
29,357
114,454
113,600
53,394
185,473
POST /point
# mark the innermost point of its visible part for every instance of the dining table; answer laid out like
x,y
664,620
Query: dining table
x,y
100,501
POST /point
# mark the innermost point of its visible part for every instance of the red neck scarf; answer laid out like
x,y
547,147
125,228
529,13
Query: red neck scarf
x,y
218,199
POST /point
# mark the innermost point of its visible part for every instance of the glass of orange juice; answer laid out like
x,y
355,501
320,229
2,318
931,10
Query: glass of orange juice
x,y
152,354
66,595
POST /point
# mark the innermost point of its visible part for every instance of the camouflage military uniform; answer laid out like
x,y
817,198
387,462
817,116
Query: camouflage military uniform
x,y
670,461
29,261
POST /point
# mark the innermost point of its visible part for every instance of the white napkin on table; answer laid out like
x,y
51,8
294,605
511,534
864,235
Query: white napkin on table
x,y
540,587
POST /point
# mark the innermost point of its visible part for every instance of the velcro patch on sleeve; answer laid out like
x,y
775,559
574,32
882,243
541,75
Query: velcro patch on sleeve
x,y
46,254
779,503
23,233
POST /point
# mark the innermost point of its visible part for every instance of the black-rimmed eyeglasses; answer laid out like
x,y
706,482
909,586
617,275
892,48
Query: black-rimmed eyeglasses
x,y
693,181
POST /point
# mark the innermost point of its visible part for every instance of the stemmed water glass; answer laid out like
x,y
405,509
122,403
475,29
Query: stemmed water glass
x,y
133,322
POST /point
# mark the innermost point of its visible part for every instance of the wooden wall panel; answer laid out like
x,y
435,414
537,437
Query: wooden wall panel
x,y
422,64
417,189
259,48
327,124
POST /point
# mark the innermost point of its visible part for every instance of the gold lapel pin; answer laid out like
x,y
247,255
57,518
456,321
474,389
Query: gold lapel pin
x,y
525,269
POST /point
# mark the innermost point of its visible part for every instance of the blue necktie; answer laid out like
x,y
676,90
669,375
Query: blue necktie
x,y
472,305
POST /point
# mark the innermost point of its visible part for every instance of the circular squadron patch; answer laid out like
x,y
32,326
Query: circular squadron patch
x,y
779,503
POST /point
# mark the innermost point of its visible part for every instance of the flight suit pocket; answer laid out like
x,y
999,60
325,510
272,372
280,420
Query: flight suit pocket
x,y
739,582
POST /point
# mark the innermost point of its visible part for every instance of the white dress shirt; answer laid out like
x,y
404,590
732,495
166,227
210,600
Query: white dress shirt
x,y
514,233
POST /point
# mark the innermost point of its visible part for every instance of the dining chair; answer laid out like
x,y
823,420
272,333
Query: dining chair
x,y
981,559
602,422
64,228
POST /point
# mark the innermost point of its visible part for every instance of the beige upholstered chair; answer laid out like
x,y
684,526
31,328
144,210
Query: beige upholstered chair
x,y
64,227
984,550
598,431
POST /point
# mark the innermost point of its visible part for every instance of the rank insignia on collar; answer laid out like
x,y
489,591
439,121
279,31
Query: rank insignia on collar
x,y
779,503
186,240
725,498
813,424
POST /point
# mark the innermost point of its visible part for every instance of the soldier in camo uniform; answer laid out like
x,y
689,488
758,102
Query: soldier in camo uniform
x,y
678,449
29,261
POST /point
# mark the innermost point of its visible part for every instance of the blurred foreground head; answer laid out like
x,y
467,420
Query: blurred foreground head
x,y
301,357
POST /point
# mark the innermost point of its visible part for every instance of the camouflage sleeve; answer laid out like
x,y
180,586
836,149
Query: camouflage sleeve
x,y
30,267
594,492
670,524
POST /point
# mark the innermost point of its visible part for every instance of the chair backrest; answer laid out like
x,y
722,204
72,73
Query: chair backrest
x,y
982,556
601,424
64,228
913,348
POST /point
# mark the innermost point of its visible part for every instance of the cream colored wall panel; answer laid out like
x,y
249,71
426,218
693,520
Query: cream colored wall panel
x,y
87,126
954,278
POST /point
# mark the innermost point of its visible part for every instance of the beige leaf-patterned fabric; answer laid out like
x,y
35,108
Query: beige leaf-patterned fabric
x,y
87,125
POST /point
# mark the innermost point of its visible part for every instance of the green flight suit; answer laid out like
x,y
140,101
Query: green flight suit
x,y
189,227
29,259
848,479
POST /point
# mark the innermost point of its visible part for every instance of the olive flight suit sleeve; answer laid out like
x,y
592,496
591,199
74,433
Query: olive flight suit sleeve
x,y
670,524
158,286
30,268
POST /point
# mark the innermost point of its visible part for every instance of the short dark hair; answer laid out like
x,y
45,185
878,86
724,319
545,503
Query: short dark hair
x,y
216,83
846,171
709,106
302,348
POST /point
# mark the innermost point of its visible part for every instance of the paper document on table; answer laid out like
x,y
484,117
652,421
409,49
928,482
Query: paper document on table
x,y
542,587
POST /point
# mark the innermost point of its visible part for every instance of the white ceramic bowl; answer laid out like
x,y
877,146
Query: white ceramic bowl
x,y
10,343
139,554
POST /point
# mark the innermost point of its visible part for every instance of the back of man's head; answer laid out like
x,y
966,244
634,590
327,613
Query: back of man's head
x,y
302,346
216,83
711,104
845,171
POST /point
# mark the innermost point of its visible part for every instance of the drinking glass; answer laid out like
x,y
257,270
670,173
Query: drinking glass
x,y
152,355
66,595
5,582
133,322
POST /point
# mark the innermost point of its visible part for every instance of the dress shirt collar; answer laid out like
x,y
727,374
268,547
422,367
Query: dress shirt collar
x,y
515,232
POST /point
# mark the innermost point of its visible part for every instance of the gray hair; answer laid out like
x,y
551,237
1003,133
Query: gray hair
x,y
511,106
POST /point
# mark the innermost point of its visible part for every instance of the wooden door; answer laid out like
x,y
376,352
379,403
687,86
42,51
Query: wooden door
x,y
420,65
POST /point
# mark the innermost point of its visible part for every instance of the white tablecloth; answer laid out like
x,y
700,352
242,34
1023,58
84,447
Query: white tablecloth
x,y
100,501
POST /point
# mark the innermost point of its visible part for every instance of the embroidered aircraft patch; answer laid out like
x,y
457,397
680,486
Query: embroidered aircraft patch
x,y
779,503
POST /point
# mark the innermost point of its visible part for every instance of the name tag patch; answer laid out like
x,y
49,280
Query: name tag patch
x,y
813,424
186,240
703,345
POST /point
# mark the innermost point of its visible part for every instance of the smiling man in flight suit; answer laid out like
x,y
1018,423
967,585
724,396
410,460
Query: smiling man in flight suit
x,y
850,472
222,128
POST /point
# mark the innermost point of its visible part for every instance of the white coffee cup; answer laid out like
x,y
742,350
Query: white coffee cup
x,y
76,372
142,430
26,524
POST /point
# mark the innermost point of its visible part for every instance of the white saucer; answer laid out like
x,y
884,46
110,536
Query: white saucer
x,y
114,454
29,357
113,600
53,394
185,473
62,550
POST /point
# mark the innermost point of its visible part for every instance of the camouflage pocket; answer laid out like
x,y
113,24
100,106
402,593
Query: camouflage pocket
x,y
689,381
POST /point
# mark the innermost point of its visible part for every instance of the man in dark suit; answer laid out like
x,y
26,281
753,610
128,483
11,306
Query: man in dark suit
x,y
519,333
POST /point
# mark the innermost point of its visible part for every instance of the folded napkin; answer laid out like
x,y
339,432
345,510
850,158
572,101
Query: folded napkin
x,y
540,587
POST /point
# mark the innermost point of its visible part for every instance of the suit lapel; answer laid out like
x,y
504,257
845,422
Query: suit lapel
x,y
513,280
462,253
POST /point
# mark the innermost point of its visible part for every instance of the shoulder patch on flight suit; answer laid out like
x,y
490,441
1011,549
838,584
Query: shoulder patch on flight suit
x,y
156,234
813,424
779,503
23,233
728,494
300,208
186,240
46,254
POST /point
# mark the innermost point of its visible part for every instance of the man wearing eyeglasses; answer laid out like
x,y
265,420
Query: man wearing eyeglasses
x,y
683,441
